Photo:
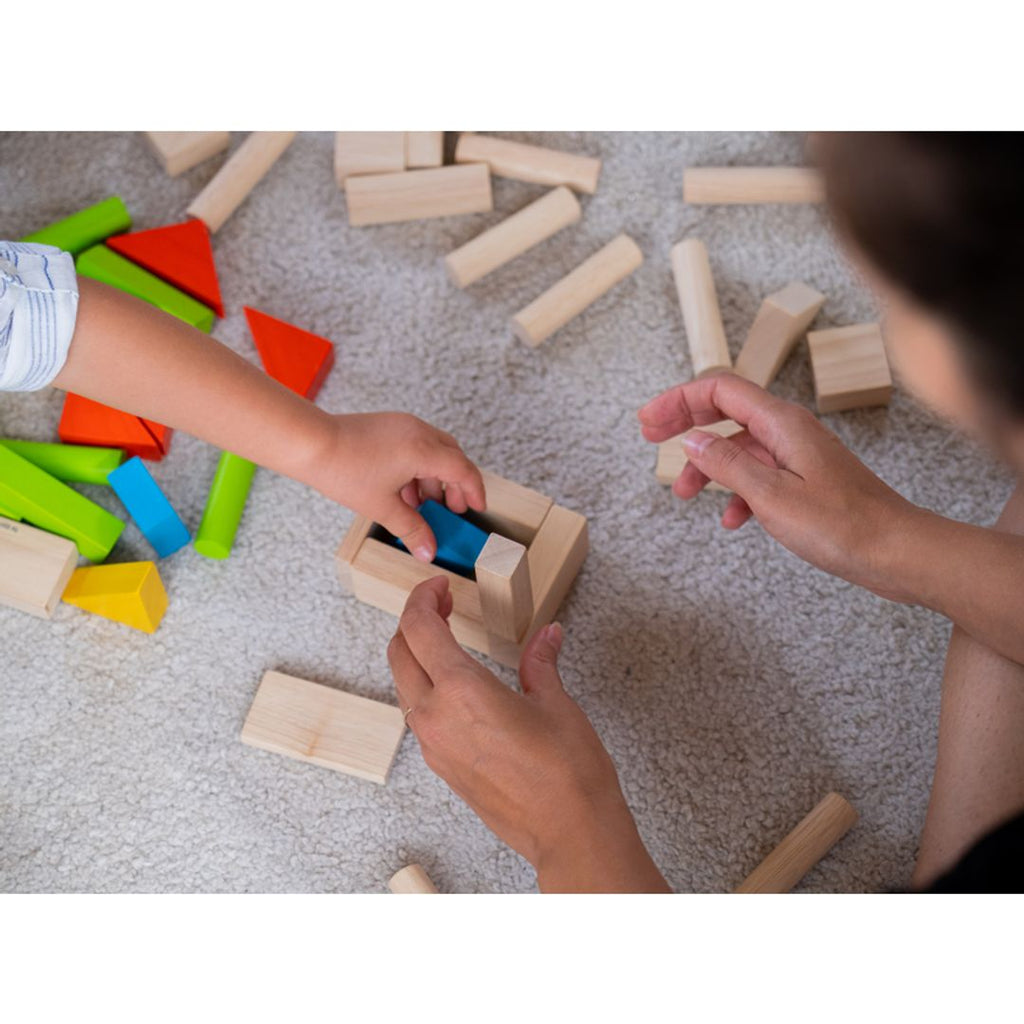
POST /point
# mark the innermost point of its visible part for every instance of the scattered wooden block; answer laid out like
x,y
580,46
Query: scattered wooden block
x,y
752,185
513,510
577,290
506,594
242,172
299,359
424,149
367,153
779,324
149,507
85,228
128,592
709,349
86,422
181,151
807,844
412,880
224,506
418,195
512,237
323,726
850,367
71,463
35,567
672,457
459,542
529,163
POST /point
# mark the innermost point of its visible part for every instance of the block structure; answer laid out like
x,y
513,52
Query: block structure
x,y
525,162
181,151
459,542
149,507
128,592
752,185
850,367
418,195
35,567
502,572
709,349
368,153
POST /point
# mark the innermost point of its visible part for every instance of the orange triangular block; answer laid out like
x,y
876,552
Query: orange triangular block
x,y
296,358
181,254
84,421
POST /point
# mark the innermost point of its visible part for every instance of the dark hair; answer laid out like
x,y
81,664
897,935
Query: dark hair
x,y
942,216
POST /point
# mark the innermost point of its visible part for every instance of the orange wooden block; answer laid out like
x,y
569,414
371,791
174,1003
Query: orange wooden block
x,y
296,358
181,254
84,421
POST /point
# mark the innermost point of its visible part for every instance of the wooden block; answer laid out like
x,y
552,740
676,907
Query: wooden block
x,y
181,151
349,548
128,592
779,324
752,185
85,422
529,163
459,541
241,173
299,359
424,149
149,507
512,237
807,844
418,195
850,367
506,594
35,567
86,228
672,457
323,726
72,463
577,290
709,349
413,880
513,510
367,153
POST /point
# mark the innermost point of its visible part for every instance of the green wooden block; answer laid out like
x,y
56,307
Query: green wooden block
x,y
45,502
9,513
85,228
103,264
224,506
72,463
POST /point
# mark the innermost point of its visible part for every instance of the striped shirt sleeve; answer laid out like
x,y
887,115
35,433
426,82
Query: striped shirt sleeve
x,y
38,306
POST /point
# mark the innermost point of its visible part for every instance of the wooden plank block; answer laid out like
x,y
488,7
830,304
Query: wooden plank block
x,y
418,195
242,172
349,548
512,237
807,844
555,558
529,163
672,457
71,463
323,726
503,581
181,151
752,185
513,510
577,290
783,317
412,880
424,149
709,349
367,153
35,567
850,367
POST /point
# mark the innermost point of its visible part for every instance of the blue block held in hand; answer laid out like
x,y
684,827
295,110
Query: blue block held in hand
x,y
459,542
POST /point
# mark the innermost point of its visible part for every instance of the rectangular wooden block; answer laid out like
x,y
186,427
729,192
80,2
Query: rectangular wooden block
x,y
781,320
323,726
709,349
71,463
672,457
35,567
513,510
367,153
181,151
850,367
418,195
529,163
424,149
752,185
506,594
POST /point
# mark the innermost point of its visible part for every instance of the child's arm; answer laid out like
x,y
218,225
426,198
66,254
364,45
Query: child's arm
x,y
821,502
127,354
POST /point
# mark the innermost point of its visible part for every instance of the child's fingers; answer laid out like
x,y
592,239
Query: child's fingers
x,y
410,494
432,489
455,498
402,520
450,464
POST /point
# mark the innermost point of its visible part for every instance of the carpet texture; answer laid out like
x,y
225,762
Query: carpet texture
x,y
733,685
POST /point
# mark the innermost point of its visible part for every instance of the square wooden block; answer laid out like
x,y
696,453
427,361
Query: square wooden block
x,y
850,367
555,543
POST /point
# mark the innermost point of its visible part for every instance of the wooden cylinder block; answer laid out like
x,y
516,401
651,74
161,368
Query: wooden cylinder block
x,y
529,163
418,195
709,349
412,879
752,185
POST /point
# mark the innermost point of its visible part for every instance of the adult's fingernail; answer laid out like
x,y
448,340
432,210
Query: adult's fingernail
x,y
423,553
696,441
554,635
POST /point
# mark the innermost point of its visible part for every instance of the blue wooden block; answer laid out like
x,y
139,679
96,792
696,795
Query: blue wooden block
x,y
149,508
459,542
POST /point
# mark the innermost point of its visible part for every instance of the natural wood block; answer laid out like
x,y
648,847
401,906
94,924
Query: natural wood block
x,y
418,195
752,185
672,457
412,880
367,153
35,567
807,844
782,319
181,151
709,349
577,290
850,367
529,163
512,237
506,594
323,726
242,172
424,149
513,510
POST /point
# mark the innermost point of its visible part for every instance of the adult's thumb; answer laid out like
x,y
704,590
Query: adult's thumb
x,y
538,667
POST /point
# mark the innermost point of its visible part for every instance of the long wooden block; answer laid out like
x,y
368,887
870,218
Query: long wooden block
x,y
672,457
577,290
555,559
367,153
323,726
72,463
513,510
752,185
424,149
529,163
85,228
807,844
783,317
412,880
418,195
506,595
181,151
512,237
35,567
241,173
850,367
349,548
709,349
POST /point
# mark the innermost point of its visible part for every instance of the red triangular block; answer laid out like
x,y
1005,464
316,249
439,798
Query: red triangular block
x,y
296,358
84,421
181,254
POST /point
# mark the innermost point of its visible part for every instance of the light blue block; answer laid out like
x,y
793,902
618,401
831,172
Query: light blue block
x,y
459,542
149,508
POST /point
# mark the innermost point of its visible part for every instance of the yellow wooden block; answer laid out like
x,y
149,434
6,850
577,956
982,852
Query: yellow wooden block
x,y
130,592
